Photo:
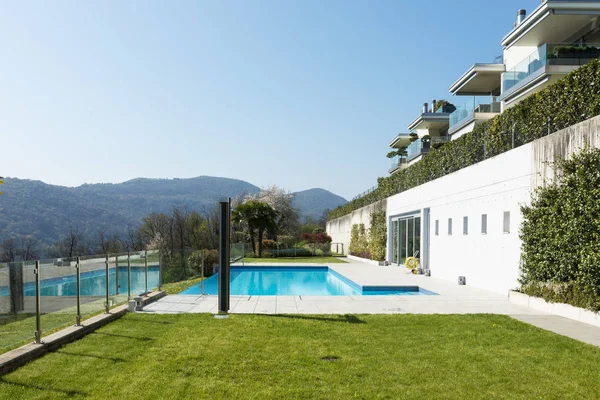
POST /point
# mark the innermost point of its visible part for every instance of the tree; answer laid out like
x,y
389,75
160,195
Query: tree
x,y
70,245
9,251
260,217
29,248
107,243
282,202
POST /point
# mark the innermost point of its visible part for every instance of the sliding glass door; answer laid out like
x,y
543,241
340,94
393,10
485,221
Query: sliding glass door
x,y
406,238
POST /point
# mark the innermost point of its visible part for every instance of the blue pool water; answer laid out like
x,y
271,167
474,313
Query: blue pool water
x,y
93,283
296,281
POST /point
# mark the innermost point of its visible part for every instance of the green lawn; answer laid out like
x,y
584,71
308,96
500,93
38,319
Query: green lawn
x,y
313,357
298,260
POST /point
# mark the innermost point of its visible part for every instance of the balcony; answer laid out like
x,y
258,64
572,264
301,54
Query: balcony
x,y
397,163
549,58
421,147
476,108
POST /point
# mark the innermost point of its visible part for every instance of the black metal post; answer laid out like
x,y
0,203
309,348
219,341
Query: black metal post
x,y
38,320
224,252
78,277
106,304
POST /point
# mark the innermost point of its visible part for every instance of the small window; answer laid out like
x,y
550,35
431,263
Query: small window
x,y
465,225
449,226
484,224
437,227
506,224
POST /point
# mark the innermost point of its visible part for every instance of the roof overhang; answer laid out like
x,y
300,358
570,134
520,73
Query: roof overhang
x,y
553,21
403,139
480,79
430,121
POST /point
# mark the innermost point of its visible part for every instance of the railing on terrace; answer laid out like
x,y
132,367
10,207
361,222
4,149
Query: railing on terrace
x,y
475,104
397,161
420,146
549,54
42,296
366,192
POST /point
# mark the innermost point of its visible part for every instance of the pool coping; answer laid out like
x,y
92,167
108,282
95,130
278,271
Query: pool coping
x,y
13,359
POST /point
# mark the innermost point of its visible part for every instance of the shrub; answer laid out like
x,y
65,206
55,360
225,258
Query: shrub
x,y
269,244
560,232
294,252
572,99
378,236
359,243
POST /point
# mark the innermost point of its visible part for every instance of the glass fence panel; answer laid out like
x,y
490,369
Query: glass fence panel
x,y
138,273
58,293
17,304
117,281
92,270
153,260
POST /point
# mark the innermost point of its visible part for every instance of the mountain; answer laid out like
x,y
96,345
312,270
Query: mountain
x,y
313,202
47,211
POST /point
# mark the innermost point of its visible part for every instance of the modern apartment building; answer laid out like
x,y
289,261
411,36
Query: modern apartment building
x,y
542,47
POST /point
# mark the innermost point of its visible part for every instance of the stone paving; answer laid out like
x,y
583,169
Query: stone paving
x,y
450,299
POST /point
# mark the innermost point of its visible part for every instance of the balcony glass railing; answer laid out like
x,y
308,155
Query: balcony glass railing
x,y
419,146
479,104
397,162
549,54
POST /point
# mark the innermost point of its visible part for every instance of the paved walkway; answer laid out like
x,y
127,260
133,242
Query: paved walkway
x,y
450,299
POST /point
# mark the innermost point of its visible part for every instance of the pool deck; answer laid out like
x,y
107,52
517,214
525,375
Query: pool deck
x,y
450,299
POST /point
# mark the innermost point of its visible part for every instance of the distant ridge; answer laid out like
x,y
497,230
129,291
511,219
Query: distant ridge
x,y
33,207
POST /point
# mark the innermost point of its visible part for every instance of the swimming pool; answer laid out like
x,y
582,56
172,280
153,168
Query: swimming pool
x,y
297,281
93,283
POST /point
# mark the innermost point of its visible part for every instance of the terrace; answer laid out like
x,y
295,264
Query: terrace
x,y
548,63
474,111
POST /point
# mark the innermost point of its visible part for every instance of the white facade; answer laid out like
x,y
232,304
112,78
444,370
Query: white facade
x,y
493,187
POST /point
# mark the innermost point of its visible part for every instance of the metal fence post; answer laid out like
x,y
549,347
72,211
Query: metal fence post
x,y
116,275
202,274
128,276
159,270
106,305
78,277
38,320
146,271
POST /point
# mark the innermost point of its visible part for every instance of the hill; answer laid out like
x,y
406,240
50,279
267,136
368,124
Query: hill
x,y
36,208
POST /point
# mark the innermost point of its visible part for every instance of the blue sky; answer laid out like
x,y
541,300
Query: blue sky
x,y
295,93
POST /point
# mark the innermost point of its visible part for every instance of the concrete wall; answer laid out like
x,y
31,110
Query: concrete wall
x,y
497,185
340,228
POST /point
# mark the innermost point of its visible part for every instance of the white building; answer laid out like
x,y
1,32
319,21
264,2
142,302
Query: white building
x,y
466,223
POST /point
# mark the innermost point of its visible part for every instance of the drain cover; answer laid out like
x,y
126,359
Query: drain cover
x,y
330,358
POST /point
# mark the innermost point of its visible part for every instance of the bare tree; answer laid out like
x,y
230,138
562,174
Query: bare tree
x,y
70,245
29,248
9,251
107,243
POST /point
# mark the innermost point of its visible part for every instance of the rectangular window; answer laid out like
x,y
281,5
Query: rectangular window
x,y
484,224
449,226
437,227
465,225
506,224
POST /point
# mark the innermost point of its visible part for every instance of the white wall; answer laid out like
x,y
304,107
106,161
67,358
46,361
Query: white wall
x,y
340,228
491,187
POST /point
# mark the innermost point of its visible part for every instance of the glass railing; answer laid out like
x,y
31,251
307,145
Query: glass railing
x,y
549,54
465,112
397,161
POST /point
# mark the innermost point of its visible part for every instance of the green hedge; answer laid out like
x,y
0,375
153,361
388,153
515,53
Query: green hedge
x,y
573,99
378,236
561,235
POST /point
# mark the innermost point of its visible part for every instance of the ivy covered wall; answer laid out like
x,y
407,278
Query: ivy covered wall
x,y
561,235
573,99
